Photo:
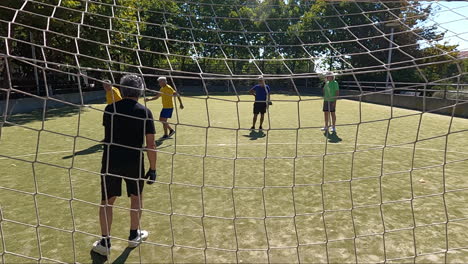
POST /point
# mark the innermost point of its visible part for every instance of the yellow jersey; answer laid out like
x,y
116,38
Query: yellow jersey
x,y
113,96
166,96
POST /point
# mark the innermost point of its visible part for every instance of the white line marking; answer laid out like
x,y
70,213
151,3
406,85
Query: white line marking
x,y
284,143
34,154
250,144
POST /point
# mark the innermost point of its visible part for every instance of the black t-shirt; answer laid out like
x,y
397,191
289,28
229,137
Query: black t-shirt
x,y
125,128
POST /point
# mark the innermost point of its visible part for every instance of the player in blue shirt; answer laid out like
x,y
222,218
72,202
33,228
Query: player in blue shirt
x,y
261,91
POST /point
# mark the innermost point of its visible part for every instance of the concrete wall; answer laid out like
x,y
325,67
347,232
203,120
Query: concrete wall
x,y
424,104
427,104
26,105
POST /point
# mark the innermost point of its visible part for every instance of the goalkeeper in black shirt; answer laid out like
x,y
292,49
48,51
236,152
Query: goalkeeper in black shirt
x,y
128,124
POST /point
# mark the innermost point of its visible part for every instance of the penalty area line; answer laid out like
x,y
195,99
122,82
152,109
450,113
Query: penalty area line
x,y
244,144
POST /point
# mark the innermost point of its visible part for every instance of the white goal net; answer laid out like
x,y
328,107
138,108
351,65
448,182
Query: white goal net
x,y
387,185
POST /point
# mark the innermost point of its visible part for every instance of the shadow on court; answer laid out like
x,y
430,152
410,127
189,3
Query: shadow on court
x,y
99,259
124,256
93,149
98,148
254,135
159,142
37,115
332,137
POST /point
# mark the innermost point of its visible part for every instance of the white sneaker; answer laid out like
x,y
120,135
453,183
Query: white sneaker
x,y
142,236
333,129
100,249
324,129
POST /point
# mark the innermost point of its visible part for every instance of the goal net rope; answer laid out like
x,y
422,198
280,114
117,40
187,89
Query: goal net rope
x,y
390,187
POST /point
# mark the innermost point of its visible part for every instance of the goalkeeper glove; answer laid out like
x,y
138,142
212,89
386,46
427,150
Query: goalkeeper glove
x,y
151,176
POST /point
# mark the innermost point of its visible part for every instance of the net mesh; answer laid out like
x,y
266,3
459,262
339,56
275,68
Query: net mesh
x,y
389,188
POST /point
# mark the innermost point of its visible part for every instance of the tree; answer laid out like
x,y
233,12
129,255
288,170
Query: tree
x,y
158,33
439,61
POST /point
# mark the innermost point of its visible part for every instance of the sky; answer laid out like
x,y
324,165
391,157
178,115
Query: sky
x,y
453,16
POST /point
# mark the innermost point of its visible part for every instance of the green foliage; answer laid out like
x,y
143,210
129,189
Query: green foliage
x,y
160,33
439,62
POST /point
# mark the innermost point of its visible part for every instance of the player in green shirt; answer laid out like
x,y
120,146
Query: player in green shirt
x,y
331,91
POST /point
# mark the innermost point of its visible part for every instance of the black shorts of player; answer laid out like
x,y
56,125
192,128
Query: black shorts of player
x,y
329,106
259,108
111,183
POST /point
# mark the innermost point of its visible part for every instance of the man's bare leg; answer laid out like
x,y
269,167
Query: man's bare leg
x,y
169,127
137,235
165,125
103,245
326,117
105,215
333,117
254,120
136,203
262,117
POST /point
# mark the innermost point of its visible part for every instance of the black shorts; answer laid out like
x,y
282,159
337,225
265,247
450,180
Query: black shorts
x,y
111,183
329,106
259,108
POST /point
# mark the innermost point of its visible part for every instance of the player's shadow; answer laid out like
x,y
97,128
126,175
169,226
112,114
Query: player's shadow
x,y
159,142
124,256
254,135
332,137
37,115
93,149
99,259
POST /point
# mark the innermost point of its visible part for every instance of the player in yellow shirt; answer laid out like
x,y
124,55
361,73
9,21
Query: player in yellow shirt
x,y
112,93
167,93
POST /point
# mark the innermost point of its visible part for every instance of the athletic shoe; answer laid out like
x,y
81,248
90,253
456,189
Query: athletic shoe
x,y
171,133
100,249
142,236
333,129
164,137
260,128
324,129
252,128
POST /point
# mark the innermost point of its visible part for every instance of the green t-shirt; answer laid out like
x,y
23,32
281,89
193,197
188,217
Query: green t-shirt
x,y
329,91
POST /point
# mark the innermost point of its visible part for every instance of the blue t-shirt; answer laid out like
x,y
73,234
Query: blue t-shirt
x,y
261,92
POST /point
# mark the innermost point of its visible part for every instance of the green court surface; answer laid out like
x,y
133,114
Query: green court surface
x,y
391,185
